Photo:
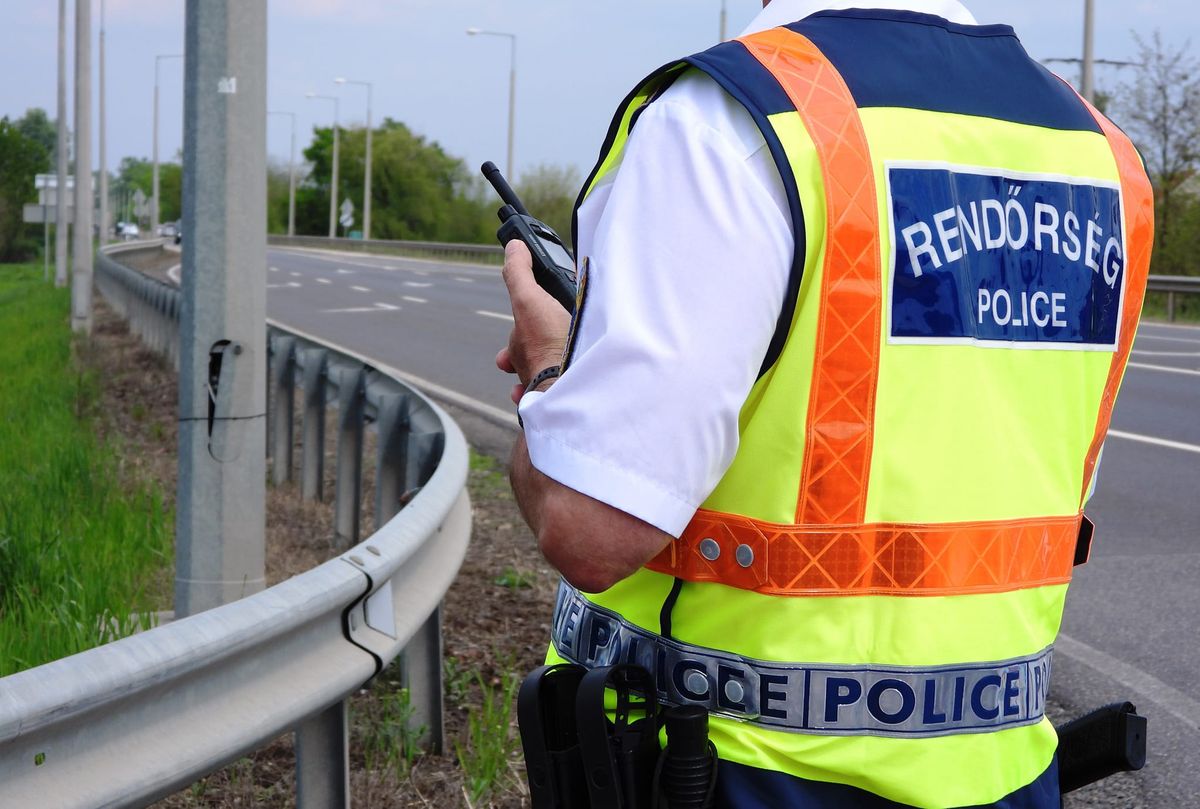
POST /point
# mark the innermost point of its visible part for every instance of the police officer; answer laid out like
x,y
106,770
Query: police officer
x,y
857,291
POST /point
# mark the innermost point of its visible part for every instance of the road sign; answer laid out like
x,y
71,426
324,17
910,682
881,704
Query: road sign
x,y
347,217
139,203
39,214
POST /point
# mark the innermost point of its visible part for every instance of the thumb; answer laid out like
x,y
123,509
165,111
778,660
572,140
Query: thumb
x,y
518,269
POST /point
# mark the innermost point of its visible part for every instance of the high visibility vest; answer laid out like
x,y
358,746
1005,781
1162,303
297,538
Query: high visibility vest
x,y
871,594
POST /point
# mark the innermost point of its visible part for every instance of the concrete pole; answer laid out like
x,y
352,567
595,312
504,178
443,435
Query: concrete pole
x,y
154,158
1088,90
221,518
291,173
292,182
333,184
724,20
367,181
367,172
61,228
103,131
154,201
81,281
512,105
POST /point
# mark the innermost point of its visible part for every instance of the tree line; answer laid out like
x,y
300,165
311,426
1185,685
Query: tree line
x,y
422,192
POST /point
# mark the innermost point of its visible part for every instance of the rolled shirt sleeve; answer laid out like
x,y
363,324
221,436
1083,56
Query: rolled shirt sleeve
x,y
688,249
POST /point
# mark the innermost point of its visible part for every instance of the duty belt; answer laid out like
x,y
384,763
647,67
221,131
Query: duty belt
x,y
814,698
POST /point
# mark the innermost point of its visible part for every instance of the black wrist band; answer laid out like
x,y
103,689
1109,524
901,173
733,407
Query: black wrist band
x,y
542,376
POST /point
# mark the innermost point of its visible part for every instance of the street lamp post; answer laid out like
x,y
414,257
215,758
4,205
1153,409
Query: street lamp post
x,y
291,174
367,179
333,185
724,19
154,209
61,157
1088,78
103,152
512,89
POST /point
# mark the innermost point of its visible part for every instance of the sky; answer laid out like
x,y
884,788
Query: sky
x,y
576,60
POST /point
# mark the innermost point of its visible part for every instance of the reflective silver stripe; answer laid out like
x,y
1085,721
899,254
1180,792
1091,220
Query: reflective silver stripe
x,y
864,700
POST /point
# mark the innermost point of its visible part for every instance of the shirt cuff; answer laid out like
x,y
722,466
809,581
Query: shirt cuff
x,y
631,493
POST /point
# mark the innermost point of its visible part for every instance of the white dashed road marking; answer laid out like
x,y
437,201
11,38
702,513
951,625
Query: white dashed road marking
x,y
497,315
288,285
416,285
360,289
294,274
379,307
324,281
465,280
411,299
273,269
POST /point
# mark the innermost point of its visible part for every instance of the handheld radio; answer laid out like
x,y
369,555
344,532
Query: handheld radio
x,y
553,264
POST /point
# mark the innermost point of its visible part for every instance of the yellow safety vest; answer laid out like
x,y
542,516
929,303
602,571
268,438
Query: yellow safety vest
x,y
871,594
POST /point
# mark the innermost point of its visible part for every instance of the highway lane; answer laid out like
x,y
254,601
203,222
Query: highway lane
x,y
1130,625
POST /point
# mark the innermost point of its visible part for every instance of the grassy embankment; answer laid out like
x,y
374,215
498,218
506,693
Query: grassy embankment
x,y
79,548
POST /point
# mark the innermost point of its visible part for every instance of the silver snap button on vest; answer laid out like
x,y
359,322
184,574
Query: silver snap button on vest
x,y
734,692
697,683
744,555
710,550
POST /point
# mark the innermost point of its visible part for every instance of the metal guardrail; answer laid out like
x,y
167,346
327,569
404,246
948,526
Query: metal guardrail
x,y
1174,285
467,253
137,719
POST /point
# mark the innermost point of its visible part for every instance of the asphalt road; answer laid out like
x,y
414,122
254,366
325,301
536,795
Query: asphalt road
x,y
1132,623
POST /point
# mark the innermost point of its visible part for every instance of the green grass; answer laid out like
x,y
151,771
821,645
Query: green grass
x,y
78,549
491,744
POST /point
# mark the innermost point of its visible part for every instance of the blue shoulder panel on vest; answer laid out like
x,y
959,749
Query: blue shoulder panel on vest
x,y
918,61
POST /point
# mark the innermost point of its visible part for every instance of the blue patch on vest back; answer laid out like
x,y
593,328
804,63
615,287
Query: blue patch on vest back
x,y
1020,260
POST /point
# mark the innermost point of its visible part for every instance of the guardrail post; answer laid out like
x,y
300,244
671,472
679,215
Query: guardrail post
x,y
421,660
323,760
421,674
283,380
348,485
389,468
312,464
1170,307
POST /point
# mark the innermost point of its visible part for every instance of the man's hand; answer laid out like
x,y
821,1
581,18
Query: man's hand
x,y
541,324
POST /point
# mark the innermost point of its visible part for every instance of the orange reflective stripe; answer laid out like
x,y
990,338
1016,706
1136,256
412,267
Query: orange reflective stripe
x,y
1138,210
882,559
841,415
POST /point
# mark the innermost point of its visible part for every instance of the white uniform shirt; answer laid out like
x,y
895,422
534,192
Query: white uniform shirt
x,y
689,247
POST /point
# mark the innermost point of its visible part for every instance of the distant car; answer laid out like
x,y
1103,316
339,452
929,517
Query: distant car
x,y
168,229
130,232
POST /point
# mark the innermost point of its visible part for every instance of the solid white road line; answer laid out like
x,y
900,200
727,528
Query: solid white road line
x,y
412,299
1157,325
1166,353
497,315
1174,701
1164,368
360,289
1158,442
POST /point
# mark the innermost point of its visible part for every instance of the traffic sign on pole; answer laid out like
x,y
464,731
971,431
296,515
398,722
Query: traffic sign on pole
x,y
347,217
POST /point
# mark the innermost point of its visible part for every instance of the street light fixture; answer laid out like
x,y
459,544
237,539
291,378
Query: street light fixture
x,y
367,179
512,88
154,209
291,174
333,185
